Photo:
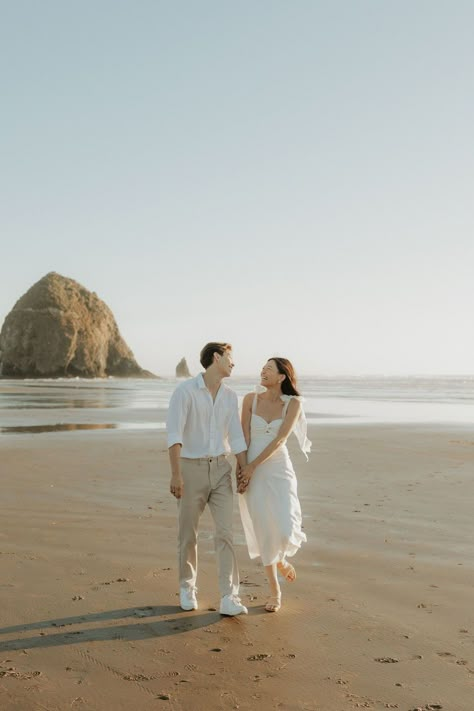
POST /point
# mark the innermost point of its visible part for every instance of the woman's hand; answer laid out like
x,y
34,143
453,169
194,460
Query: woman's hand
x,y
243,477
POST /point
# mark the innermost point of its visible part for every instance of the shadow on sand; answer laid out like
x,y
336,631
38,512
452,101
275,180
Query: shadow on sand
x,y
171,620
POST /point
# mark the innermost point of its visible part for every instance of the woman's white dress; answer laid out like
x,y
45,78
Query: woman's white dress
x,y
269,508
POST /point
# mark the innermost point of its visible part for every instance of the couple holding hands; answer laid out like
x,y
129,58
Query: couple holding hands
x,y
203,426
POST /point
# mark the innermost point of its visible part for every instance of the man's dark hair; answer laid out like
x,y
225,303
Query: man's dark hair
x,y
207,354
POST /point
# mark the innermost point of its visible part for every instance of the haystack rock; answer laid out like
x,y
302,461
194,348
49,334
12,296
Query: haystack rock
x,y
182,370
60,329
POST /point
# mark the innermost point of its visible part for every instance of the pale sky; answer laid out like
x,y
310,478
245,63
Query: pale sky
x,y
293,177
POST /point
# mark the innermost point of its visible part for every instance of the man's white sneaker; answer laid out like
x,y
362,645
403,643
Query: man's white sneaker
x,y
231,605
188,599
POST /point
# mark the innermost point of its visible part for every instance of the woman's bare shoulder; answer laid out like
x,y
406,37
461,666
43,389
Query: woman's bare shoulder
x,y
294,405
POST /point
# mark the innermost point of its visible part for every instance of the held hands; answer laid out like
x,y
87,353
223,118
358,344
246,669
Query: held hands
x,y
176,486
243,477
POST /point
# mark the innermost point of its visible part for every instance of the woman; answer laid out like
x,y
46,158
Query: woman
x,y
269,506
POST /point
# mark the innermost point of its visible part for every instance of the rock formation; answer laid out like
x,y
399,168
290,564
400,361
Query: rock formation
x,y
60,329
182,370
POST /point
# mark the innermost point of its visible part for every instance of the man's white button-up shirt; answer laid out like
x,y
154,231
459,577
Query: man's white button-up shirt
x,y
204,428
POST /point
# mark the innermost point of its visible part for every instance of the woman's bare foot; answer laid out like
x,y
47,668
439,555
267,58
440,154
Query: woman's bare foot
x,y
287,570
273,603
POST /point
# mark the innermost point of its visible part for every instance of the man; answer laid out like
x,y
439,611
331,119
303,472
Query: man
x,y
203,426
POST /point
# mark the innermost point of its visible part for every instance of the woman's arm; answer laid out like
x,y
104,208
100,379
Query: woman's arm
x,y
286,427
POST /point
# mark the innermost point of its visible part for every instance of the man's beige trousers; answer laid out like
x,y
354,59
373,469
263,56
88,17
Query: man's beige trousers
x,y
207,481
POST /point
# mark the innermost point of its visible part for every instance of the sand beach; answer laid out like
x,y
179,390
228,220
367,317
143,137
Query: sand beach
x,y
380,615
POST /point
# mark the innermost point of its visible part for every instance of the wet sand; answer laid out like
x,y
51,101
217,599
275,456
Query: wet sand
x,y
381,614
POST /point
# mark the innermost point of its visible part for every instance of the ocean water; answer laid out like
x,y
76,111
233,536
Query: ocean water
x,y
42,406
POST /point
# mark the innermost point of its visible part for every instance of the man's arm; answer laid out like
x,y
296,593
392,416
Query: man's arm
x,y
237,441
175,421
246,416
176,483
241,460
235,434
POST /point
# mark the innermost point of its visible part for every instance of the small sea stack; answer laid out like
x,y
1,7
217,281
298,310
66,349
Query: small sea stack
x,y
182,370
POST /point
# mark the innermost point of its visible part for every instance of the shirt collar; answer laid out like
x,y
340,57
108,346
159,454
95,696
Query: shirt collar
x,y
202,385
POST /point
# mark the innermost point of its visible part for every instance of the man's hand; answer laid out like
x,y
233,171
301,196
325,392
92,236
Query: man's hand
x,y
176,486
244,477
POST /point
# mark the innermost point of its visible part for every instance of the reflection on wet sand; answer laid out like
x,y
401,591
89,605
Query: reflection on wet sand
x,y
68,427
42,395
42,404
37,429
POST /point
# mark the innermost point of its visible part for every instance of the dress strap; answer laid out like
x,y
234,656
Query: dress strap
x,y
254,403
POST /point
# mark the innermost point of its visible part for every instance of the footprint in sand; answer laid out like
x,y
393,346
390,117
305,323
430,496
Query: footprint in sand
x,y
12,672
451,657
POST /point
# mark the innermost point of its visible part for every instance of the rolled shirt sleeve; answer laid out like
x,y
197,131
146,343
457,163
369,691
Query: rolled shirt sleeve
x,y
176,418
236,437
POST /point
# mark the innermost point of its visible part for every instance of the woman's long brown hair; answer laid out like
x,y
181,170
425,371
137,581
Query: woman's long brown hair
x,y
284,367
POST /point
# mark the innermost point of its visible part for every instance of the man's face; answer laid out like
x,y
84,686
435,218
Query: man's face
x,y
225,363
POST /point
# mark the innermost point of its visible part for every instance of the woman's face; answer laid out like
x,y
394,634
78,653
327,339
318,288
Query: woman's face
x,y
269,375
